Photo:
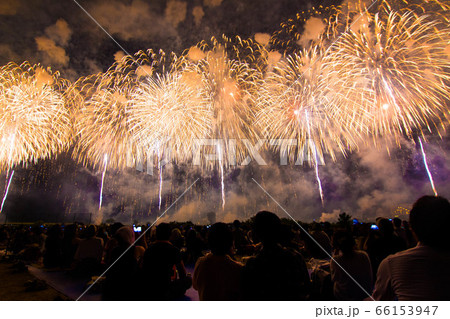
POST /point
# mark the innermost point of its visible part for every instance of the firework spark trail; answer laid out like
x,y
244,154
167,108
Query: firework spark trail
x,y
103,180
160,179
319,182
7,190
315,159
430,177
219,151
8,176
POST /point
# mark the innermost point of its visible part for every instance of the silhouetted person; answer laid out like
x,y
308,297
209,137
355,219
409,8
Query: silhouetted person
x,y
275,273
69,244
240,241
383,243
112,241
399,230
355,263
422,272
321,238
217,276
177,238
194,246
89,253
122,278
411,239
53,247
163,269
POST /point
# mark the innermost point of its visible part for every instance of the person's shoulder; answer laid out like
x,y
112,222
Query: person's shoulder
x,y
233,262
251,262
291,253
362,253
404,254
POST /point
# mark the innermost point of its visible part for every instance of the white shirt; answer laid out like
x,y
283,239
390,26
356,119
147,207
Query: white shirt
x,y
419,273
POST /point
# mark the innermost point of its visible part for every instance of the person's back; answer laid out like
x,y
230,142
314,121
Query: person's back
x,y
53,247
419,273
422,272
69,244
217,276
160,261
383,245
89,254
122,278
324,242
90,248
399,231
276,273
355,263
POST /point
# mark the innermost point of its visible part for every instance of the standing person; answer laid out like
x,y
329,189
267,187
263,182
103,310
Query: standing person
x,y
216,275
420,273
163,269
356,263
275,273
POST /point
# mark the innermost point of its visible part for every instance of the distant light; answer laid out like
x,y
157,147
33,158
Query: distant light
x,y
385,106
296,112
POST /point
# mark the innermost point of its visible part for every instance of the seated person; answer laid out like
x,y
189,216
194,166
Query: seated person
x,y
217,276
383,243
161,262
122,278
354,263
275,273
88,256
420,273
53,247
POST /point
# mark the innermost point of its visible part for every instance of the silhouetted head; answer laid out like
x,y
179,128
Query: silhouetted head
x,y
163,231
70,231
220,239
267,227
344,241
430,219
385,226
114,227
55,231
316,227
397,222
91,231
125,235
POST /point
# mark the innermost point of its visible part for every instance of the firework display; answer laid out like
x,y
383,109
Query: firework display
x,y
391,76
294,107
329,81
169,98
34,119
229,87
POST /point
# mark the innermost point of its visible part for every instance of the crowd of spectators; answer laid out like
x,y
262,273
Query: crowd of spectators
x,y
264,258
